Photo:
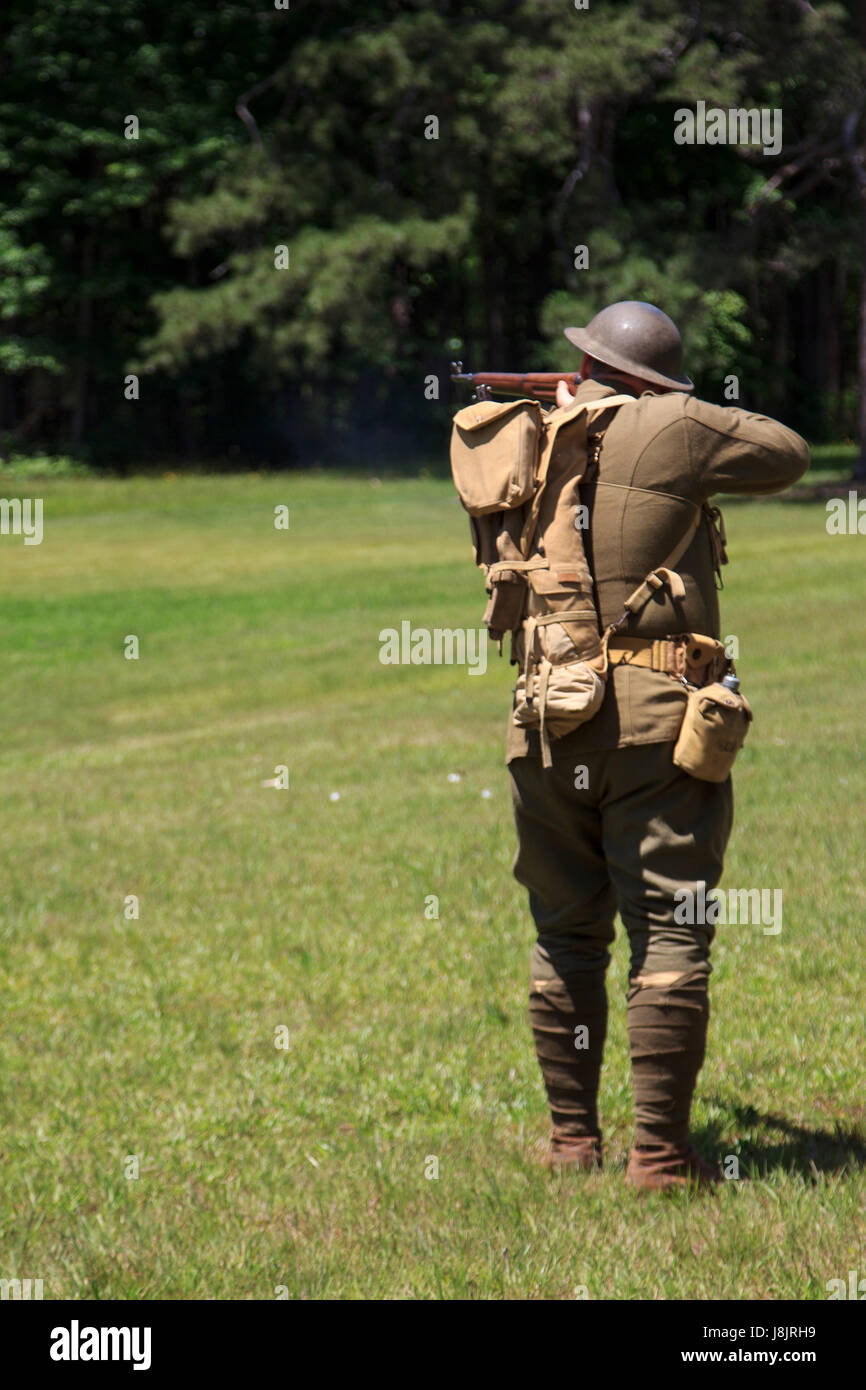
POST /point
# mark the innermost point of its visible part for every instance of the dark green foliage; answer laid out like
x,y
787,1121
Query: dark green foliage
x,y
306,129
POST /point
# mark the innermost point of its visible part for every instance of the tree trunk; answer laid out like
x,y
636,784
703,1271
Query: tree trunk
x,y
493,324
779,348
860,466
831,309
85,324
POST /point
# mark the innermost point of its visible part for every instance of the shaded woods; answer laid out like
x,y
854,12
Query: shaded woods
x,y
252,234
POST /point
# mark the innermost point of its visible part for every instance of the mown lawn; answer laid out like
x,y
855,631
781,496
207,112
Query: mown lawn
x,y
148,1045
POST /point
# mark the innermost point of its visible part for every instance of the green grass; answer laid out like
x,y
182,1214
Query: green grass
x,y
262,908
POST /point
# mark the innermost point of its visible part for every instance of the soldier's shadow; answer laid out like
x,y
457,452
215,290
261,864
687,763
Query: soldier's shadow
x,y
790,1147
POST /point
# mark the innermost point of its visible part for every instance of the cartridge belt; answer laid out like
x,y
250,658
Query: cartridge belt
x,y
684,655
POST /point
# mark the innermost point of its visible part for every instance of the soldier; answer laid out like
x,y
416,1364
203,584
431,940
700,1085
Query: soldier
x,y
614,824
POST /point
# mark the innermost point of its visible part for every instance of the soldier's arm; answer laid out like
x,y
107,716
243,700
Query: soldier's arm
x,y
732,450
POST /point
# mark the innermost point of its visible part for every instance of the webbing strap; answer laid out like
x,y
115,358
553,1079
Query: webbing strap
x,y
645,656
528,652
544,669
718,540
538,562
564,415
563,616
654,581
604,402
665,572
680,549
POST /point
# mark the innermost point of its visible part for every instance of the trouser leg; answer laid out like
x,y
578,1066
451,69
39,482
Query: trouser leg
x,y
664,832
560,861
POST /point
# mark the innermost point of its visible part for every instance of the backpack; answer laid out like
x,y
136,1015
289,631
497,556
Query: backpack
x,y
539,587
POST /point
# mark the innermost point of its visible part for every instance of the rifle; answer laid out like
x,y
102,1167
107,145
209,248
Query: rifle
x,y
541,385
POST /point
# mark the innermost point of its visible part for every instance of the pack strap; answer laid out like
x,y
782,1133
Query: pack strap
x,y
563,616
530,661
602,403
500,567
563,415
544,677
655,580
713,514
718,540
664,574
537,669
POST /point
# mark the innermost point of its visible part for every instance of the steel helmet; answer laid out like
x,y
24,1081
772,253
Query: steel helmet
x,y
638,338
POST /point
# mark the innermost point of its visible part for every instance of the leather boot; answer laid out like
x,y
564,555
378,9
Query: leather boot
x,y
578,1155
670,1167
667,1029
569,1022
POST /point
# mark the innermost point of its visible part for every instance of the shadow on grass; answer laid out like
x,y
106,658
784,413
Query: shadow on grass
x,y
786,1146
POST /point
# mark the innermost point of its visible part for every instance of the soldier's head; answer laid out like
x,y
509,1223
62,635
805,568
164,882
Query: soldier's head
x,y
591,369
635,343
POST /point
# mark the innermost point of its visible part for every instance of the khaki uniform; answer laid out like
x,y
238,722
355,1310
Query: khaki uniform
x,y
680,452
642,828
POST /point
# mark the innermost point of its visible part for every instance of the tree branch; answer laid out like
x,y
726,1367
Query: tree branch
x,y
242,104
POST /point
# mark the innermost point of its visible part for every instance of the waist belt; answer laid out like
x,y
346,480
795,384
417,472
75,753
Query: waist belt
x,y
682,655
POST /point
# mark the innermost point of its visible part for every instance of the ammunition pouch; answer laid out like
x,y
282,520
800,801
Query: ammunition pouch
x,y
507,589
496,546
556,700
560,653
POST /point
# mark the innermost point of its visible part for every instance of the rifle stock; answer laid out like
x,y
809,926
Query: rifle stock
x,y
540,385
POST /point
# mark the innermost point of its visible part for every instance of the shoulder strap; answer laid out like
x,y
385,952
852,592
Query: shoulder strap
x,y
561,416
665,572
601,404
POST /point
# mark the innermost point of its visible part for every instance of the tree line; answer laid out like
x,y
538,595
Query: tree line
x,y
258,233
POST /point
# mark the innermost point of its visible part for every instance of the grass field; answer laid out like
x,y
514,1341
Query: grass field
x,y
148,1046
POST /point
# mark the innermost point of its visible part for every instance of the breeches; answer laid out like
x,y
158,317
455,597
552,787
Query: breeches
x,y
623,829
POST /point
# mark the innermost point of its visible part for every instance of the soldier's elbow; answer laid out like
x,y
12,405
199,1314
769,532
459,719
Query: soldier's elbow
x,y
796,459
